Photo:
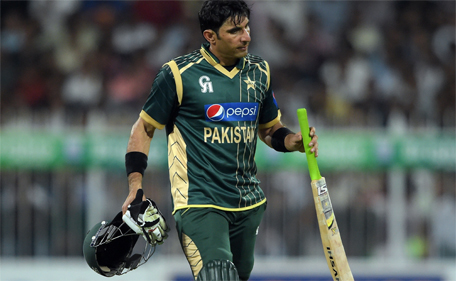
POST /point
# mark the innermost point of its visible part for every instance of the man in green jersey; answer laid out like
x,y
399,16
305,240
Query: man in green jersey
x,y
214,103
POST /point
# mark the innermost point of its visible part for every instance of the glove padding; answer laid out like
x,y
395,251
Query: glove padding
x,y
145,218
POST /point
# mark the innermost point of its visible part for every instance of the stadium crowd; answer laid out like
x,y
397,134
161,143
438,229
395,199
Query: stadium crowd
x,y
356,64
352,63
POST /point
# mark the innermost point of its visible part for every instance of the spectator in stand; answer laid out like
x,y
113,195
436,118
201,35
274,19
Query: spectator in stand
x,y
128,88
132,35
75,43
82,91
31,90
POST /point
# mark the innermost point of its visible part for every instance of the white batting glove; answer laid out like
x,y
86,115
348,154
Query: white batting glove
x,y
153,223
145,219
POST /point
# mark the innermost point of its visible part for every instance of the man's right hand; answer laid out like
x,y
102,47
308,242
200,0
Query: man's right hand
x,y
144,217
131,196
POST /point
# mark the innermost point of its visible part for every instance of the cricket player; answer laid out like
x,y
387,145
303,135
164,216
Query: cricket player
x,y
214,104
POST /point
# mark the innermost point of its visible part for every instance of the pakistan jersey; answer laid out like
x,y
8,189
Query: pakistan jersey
x,y
212,117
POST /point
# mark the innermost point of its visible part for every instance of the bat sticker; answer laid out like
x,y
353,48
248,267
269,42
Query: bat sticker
x,y
322,189
327,209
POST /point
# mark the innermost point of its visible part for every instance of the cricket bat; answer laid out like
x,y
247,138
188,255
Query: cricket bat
x,y
329,231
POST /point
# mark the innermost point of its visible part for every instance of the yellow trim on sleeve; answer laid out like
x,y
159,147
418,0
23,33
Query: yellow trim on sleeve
x,y
150,120
271,123
177,79
221,208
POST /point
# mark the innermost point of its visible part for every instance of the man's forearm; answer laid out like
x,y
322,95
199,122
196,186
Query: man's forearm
x,y
137,152
140,137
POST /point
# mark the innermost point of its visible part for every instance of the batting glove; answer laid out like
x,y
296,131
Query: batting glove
x,y
145,218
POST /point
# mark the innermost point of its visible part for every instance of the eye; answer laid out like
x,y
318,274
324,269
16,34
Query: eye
x,y
235,30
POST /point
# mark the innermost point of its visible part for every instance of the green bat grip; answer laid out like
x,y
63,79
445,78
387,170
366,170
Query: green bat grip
x,y
311,160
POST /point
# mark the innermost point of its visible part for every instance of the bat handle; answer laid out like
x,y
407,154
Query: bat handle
x,y
305,129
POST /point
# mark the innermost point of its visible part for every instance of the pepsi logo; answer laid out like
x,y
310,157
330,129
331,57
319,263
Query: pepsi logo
x,y
231,112
215,112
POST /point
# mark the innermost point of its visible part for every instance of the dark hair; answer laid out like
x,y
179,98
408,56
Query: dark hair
x,y
214,13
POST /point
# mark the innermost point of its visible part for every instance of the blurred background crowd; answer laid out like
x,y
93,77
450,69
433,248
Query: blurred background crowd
x,y
353,64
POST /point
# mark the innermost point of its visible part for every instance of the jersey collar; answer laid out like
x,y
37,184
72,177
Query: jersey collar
x,y
215,62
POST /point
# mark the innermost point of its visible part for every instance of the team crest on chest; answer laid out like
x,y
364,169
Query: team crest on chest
x,y
250,83
206,84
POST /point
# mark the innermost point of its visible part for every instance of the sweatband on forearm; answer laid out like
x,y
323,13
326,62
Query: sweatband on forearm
x,y
278,139
135,161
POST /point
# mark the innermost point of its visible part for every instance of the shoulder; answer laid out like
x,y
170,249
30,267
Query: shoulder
x,y
185,60
254,59
174,67
257,62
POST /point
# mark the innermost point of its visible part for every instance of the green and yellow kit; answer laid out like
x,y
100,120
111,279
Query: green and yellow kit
x,y
212,116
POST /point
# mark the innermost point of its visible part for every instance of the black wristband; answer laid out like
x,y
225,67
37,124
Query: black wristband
x,y
135,161
278,139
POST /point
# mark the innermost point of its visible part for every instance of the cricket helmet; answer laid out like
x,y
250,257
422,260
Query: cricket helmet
x,y
109,248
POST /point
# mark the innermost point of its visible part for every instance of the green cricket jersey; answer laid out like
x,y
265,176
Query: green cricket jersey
x,y
212,117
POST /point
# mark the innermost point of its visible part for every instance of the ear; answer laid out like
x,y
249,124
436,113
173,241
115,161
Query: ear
x,y
210,36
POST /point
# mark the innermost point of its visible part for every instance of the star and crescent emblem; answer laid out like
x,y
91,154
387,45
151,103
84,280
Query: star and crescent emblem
x,y
250,83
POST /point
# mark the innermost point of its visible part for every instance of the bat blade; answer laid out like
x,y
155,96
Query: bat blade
x,y
329,230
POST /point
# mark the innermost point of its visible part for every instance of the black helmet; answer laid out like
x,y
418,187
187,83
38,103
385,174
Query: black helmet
x,y
108,248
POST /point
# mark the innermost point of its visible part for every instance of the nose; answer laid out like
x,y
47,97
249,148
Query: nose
x,y
246,36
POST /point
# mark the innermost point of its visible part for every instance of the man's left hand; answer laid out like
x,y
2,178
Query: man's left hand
x,y
293,142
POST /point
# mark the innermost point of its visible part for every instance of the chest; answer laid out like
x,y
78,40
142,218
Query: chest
x,y
204,86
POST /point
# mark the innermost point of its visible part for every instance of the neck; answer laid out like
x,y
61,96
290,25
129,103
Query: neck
x,y
223,60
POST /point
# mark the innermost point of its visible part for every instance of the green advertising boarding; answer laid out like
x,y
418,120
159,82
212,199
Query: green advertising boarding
x,y
338,150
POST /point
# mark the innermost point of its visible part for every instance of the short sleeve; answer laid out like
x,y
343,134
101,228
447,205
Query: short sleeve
x,y
270,113
162,99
